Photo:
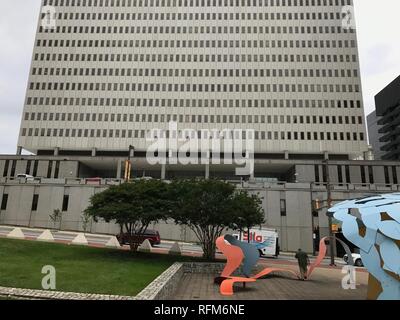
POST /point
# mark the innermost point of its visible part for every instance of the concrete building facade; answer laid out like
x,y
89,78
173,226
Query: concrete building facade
x,y
388,109
111,70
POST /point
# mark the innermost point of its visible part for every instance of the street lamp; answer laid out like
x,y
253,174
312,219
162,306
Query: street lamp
x,y
332,240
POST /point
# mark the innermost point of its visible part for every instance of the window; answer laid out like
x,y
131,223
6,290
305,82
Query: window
x,y
340,174
371,174
283,207
49,169
57,170
35,202
28,167
4,201
325,173
347,169
35,168
387,179
13,167
316,169
5,172
395,181
363,179
65,203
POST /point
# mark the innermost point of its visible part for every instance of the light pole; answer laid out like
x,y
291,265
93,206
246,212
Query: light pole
x,y
312,217
332,239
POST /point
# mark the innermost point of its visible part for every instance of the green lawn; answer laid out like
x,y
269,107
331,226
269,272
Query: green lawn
x,y
79,269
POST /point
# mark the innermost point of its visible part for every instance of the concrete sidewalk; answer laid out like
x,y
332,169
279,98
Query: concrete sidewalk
x,y
325,284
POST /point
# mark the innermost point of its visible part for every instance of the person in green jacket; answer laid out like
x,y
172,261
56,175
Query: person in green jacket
x,y
303,261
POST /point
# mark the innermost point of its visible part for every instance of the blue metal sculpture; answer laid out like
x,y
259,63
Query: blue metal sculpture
x,y
251,254
373,225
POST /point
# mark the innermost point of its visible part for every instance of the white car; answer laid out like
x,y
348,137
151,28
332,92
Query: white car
x,y
356,258
25,176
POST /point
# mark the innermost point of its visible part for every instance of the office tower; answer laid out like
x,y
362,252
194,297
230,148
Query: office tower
x,y
111,70
387,104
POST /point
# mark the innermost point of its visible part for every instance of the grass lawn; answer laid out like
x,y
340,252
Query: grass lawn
x,y
79,269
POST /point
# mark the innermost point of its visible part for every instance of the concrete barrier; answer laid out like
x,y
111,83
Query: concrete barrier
x,y
16,233
80,240
46,236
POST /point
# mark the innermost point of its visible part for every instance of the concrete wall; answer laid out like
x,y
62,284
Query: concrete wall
x,y
305,173
50,198
42,169
19,205
355,174
295,229
69,169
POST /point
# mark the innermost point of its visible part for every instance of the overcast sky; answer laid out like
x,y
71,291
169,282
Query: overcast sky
x,y
378,37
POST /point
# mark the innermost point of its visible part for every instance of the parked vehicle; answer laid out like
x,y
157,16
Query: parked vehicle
x,y
265,240
94,180
152,235
356,258
25,176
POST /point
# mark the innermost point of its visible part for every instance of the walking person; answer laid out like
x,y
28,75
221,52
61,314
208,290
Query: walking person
x,y
303,261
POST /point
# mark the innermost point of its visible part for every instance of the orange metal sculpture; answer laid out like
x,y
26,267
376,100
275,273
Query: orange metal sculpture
x,y
235,256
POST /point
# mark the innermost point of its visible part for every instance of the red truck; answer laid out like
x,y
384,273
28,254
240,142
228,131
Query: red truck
x,y
152,235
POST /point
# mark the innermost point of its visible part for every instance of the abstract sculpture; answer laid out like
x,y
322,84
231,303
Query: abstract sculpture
x,y
373,225
237,252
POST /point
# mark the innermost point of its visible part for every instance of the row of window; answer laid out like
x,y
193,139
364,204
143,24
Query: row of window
x,y
197,3
197,43
258,135
181,87
194,30
30,168
196,58
194,103
203,16
149,72
270,119
365,171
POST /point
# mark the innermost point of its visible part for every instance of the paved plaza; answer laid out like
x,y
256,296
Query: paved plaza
x,y
325,284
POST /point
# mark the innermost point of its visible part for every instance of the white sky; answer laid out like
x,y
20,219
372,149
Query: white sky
x,y
378,39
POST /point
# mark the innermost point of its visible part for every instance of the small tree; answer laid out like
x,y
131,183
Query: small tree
x,y
134,206
206,207
85,218
247,211
56,217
